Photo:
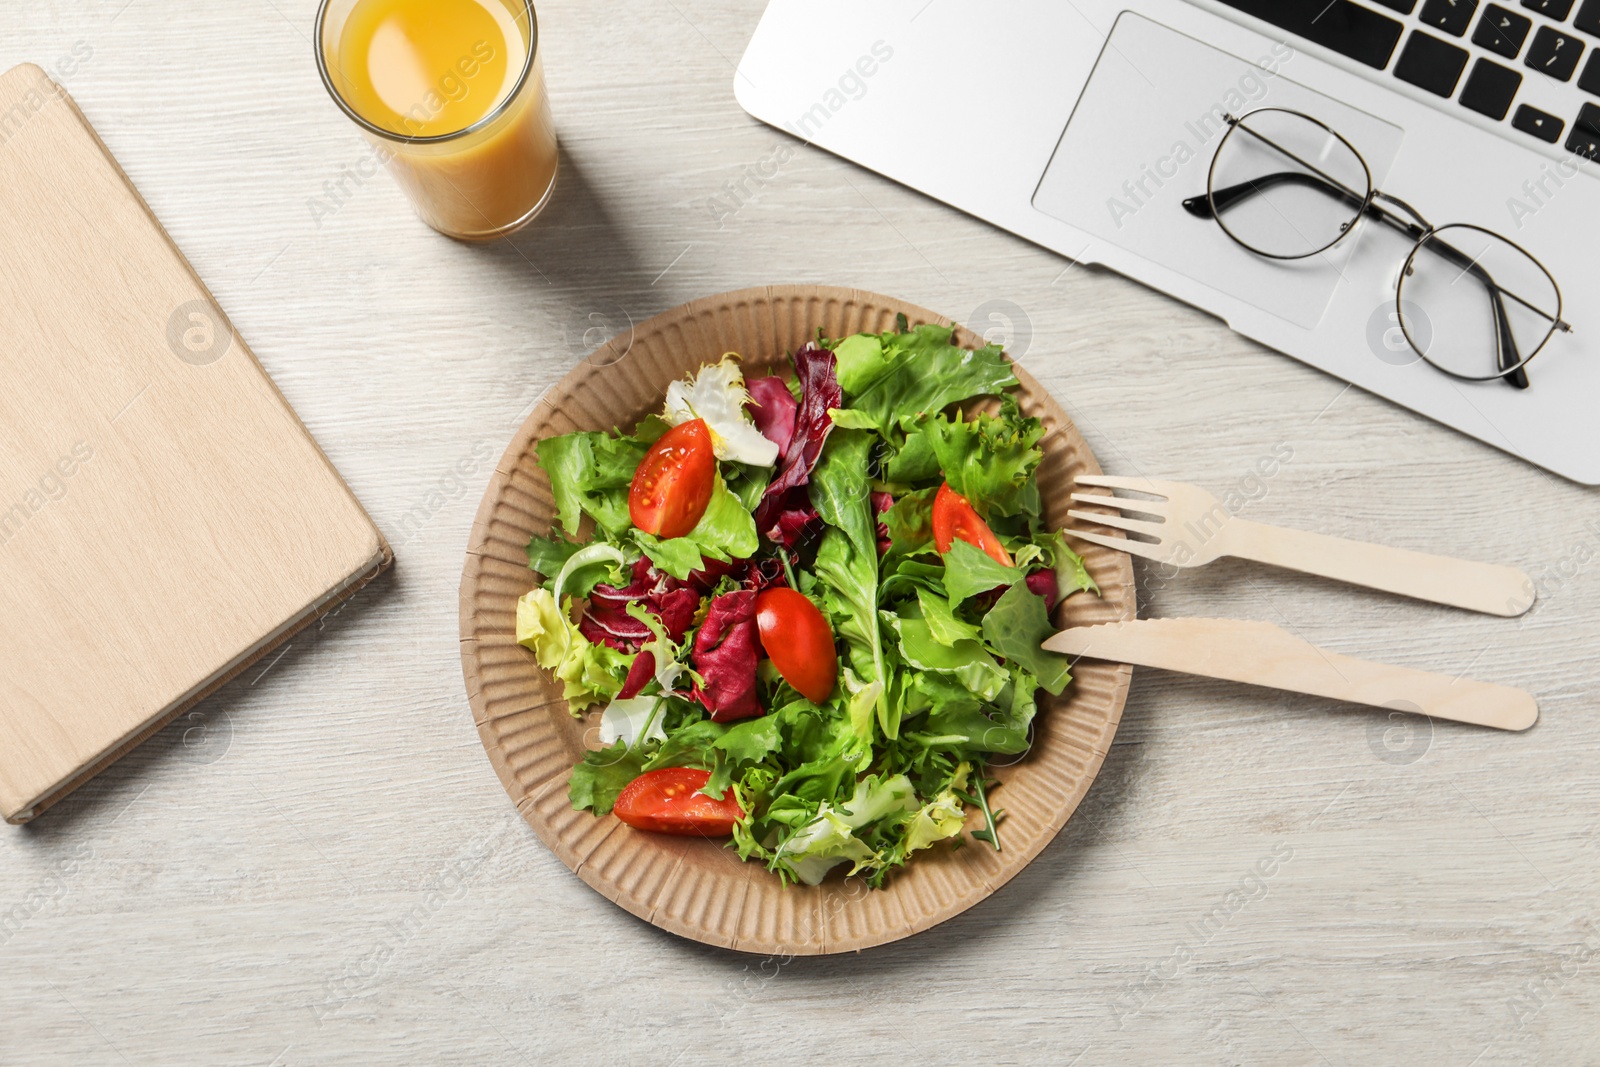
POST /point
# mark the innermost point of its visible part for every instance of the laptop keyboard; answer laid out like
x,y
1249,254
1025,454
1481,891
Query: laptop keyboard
x,y
1481,56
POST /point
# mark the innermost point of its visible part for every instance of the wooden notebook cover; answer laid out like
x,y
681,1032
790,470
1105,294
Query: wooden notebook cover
x,y
165,519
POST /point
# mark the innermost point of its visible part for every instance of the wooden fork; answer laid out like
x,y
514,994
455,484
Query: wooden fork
x,y
1188,527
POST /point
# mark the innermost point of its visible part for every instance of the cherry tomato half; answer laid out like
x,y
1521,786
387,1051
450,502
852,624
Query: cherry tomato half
x,y
799,641
673,484
669,801
955,520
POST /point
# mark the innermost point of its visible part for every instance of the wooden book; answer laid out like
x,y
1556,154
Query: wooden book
x,y
165,519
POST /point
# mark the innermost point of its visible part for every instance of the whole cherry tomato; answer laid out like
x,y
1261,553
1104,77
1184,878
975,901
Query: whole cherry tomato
x,y
799,641
955,520
669,801
673,484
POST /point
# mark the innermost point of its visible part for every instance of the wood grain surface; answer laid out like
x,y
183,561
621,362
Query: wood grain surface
x,y
320,867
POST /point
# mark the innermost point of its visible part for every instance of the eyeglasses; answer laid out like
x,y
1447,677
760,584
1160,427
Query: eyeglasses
x,y
1474,304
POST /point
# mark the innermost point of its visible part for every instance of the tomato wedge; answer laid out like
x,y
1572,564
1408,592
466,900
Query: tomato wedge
x,y
673,484
799,641
955,520
669,801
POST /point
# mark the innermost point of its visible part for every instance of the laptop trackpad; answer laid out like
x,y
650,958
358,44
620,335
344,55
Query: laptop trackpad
x,y
1141,141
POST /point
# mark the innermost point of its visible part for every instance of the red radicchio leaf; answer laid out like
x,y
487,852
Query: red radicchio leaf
x,y
882,502
773,408
1044,583
815,366
606,620
725,655
793,519
640,672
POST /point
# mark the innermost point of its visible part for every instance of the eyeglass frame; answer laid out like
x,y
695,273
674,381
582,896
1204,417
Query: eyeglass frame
x,y
1419,229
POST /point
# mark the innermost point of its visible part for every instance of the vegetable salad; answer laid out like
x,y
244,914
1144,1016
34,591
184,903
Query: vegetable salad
x,y
810,606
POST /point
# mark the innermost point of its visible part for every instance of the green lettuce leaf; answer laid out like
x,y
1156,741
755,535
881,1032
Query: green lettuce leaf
x,y
943,624
989,459
1071,575
910,523
830,837
727,531
965,661
600,777
1000,728
915,461
847,559
920,371
1015,628
968,571
860,362
546,555
589,673
590,474
939,818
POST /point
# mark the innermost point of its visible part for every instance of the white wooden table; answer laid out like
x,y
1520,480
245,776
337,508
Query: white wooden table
x,y
320,867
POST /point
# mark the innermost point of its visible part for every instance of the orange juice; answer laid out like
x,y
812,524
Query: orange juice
x,y
452,91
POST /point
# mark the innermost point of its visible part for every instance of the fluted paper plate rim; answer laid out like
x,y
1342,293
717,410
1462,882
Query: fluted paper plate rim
x,y
699,889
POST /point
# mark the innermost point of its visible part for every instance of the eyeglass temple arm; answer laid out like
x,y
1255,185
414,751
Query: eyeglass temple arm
x,y
1505,343
1207,207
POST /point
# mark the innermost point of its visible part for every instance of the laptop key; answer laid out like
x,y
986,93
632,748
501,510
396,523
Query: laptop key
x,y
1588,19
1556,9
1533,121
1490,89
1503,31
1402,6
1451,16
1431,64
1349,29
1554,53
1589,80
1585,143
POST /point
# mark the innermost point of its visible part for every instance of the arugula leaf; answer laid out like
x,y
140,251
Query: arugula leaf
x,y
600,777
921,371
1015,628
678,556
968,571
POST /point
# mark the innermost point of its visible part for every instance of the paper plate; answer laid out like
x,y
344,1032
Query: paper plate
x,y
696,888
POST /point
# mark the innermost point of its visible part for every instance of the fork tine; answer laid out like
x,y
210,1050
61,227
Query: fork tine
x,y
1117,544
1136,485
1118,522
1123,503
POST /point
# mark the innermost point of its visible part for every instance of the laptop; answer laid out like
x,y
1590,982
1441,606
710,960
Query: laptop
x,y
1084,125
